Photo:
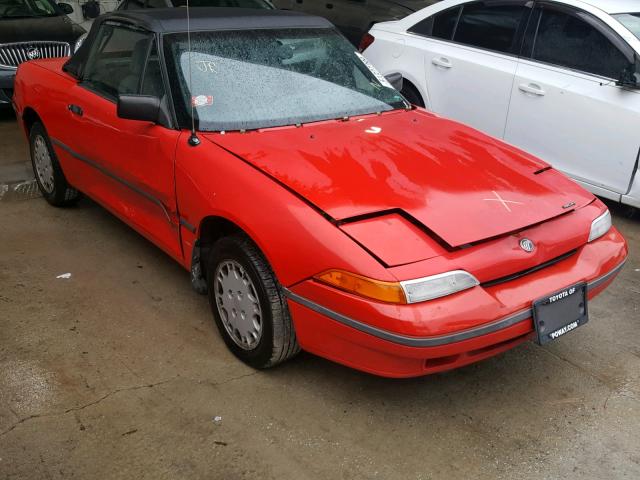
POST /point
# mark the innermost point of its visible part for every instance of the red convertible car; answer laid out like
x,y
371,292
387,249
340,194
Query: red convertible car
x,y
317,208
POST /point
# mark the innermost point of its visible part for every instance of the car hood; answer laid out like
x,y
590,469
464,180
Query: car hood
x,y
54,29
457,183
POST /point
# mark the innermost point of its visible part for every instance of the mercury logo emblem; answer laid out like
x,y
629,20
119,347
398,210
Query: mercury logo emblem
x,y
33,53
527,245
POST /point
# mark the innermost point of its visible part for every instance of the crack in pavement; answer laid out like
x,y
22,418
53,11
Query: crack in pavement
x,y
119,390
233,379
82,407
589,373
612,388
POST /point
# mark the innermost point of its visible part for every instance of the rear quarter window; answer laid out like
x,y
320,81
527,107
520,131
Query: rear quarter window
x,y
491,27
441,25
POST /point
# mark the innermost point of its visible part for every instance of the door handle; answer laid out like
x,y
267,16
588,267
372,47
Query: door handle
x,y
531,88
441,62
76,110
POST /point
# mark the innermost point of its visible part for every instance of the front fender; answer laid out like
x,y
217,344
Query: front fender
x,y
297,240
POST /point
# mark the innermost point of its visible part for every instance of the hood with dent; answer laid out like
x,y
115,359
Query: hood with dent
x,y
53,29
461,185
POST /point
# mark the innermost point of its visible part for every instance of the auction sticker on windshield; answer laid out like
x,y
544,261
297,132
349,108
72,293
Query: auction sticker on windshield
x,y
560,313
202,100
372,69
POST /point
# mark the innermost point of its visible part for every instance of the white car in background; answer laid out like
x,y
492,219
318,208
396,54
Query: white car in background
x,y
558,79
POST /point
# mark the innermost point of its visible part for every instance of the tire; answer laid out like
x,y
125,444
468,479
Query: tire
x,y
275,340
51,181
411,94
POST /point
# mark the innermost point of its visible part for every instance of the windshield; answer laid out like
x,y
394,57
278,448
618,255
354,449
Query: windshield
x,y
27,8
631,21
224,3
244,80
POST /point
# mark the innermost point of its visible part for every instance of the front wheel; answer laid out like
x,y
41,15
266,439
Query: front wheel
x,y
248,304
46,168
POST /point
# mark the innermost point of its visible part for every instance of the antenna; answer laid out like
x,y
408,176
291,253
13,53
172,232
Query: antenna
x,y
193,138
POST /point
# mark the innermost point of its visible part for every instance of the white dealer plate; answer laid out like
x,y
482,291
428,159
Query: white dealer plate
x,y
559,313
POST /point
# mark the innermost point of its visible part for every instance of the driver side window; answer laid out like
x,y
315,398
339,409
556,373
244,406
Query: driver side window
x,y
116,63
568,41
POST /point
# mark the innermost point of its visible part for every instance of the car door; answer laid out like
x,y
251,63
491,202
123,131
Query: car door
x,y
565,105
470,59
126,165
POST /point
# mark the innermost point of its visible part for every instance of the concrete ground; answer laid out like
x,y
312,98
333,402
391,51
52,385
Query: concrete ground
x,y
119,373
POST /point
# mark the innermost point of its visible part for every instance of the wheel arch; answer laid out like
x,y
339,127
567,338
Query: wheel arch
x,y
211,229
408,83
214,227
29,117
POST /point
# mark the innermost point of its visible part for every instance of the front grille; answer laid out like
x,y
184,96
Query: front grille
x,y
522,273
13,54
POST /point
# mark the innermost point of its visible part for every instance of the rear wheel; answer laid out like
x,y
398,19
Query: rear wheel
x,y
411,94
248,304
46,168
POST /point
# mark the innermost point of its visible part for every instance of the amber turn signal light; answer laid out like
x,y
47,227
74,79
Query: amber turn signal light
x,y
390,292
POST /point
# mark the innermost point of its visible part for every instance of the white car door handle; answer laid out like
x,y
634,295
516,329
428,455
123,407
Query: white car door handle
x,y
441,62
531,88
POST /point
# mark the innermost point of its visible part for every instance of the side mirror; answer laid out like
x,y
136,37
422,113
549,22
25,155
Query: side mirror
x,y
395,79
65,8
630,76
144,108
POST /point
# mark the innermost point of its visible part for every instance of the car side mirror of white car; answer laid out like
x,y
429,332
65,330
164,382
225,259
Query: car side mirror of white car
x,y
630,76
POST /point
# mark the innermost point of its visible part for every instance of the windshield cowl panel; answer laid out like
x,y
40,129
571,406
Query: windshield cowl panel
x,y
312,124
249,80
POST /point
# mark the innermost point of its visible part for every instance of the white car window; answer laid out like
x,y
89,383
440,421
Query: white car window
x,y
440,25
487,26
631,21
492,27
567,41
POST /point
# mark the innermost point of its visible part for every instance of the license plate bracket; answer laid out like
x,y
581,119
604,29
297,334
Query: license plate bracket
x,y
559,313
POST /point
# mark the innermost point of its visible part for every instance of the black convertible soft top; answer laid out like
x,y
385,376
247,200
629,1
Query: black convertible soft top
x,y
168,20
173,20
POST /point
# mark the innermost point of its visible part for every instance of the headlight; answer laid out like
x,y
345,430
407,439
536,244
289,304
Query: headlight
x,y
79,42
438,286
600,226
408,291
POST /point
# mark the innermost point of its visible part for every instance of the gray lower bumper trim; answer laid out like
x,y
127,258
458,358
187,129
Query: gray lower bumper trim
x,y
432,341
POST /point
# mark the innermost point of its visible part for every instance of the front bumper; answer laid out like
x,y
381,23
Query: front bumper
x,y
7,77
428,337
